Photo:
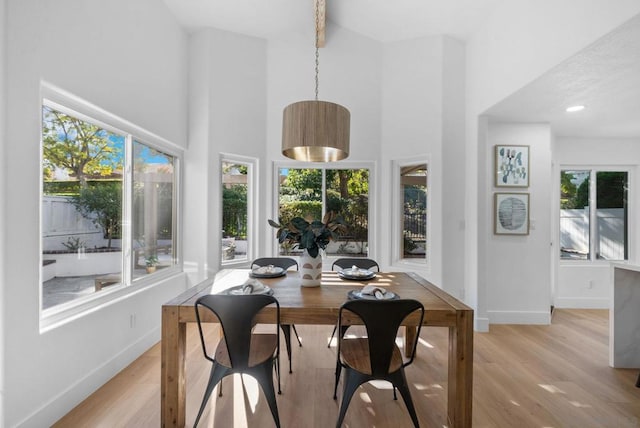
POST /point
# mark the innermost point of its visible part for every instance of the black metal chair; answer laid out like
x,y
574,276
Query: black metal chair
x,y
284,263
348,262
362,263
240,350
376,357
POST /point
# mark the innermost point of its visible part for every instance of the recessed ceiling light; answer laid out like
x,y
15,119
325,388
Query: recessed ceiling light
x,y
574,108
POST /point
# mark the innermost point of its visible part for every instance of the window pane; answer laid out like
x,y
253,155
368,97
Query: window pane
x,y
235,187
300,195
611,215
347,194
153,220
81,207
574,215
413,183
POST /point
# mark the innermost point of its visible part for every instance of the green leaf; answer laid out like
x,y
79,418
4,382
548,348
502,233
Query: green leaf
x,y
273,224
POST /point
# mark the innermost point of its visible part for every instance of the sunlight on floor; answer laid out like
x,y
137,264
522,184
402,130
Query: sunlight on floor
x,y
580,405
424,343
365,397
239,411
552,389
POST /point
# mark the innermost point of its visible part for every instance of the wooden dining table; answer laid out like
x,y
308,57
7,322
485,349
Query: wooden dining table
x,y
320,305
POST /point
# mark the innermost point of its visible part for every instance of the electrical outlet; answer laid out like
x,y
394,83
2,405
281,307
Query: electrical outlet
x,y
132,321
590,283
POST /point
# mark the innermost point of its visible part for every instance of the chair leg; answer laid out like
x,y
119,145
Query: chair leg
x,y
264,375
638,382
333,333
337,373
352,380
343,331
296,333
217,373
277,363
399,381
286,329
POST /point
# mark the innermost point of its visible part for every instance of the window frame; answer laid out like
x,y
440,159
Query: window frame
x,y
397,202
593,170
371,166
68,103
253,165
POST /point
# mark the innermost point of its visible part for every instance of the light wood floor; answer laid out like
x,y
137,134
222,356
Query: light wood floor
x,y
524,376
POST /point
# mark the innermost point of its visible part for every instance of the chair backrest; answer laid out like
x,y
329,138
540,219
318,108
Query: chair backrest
x,y
236,315
362,263
281,262
382,319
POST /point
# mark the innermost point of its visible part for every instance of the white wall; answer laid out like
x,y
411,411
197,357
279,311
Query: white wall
x,y
453,163
128,58
520,41
588,284
349,75
227,104
412,126
3,180
515,269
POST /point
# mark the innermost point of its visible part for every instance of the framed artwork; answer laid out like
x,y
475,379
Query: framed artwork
x,y
512,166
511,214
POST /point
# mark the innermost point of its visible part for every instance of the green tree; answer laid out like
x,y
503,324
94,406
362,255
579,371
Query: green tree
x,y
102,204
81,148
567,190
611,189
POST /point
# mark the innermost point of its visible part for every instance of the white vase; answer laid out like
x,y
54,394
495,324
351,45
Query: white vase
x,y
310,270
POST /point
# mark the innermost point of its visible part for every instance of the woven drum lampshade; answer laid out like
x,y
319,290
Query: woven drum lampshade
x,y
315,131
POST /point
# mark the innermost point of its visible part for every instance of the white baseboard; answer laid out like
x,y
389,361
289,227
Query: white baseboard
x,y
66,400
482,325
582,302
519,317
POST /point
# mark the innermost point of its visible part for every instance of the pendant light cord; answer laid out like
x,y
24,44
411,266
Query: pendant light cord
x,y
317,52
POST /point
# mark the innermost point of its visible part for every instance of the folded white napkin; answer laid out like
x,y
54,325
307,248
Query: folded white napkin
x,y
267,269
373,290
251,286
356,271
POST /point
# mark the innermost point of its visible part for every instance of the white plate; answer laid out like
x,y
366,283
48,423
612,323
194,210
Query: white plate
x,y
359,275
357,295
263,272
238,291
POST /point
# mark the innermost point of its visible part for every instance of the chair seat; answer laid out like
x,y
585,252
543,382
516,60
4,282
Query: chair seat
x,y
262,348
355,354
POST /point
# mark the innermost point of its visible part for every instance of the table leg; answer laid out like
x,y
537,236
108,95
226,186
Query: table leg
x,y
460,399
409,339
173,393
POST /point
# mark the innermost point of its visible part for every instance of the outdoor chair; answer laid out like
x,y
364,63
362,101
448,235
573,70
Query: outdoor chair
x,y
239,349
284,263
346,263
376,357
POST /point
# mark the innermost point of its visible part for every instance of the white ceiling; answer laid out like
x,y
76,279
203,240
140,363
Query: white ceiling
x,y
605,77
383,20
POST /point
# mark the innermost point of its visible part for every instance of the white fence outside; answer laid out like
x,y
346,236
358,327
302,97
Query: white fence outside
x,y
61,221
609,239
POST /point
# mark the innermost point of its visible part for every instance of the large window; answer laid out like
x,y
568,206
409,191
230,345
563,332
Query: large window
x,y
593,215
311,192
413,188
108,206
410,214
237,177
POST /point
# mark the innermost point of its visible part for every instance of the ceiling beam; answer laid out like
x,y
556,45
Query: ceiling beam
x,y
320,10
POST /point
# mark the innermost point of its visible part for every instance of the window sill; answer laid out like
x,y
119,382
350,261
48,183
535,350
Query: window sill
x,y
64,313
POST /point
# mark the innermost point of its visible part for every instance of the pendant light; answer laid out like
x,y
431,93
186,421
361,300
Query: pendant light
x,y
313,130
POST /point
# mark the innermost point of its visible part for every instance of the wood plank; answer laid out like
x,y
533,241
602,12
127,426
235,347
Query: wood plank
x,y
511,363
